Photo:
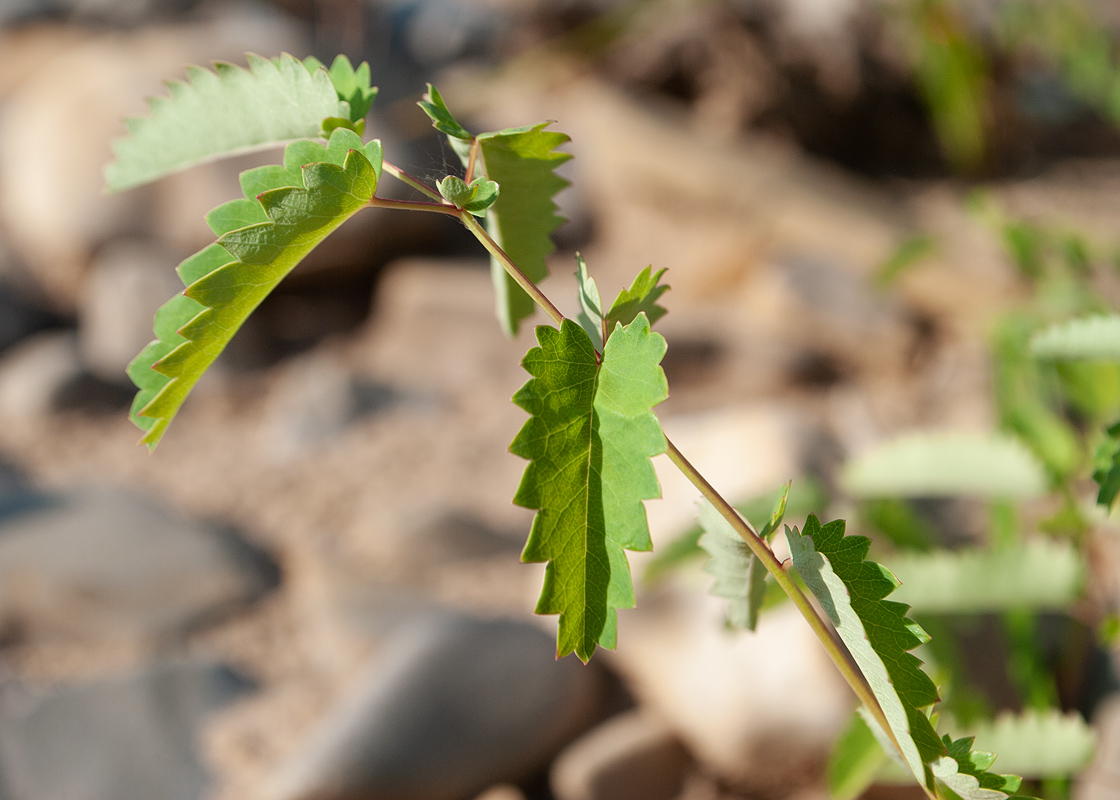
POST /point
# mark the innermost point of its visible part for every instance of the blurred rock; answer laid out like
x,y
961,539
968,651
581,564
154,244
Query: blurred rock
x,y
455,705
314,400
107,564
760,709
438,32
502,791
129,738
57,125
127,282
633,756
112,12
34,373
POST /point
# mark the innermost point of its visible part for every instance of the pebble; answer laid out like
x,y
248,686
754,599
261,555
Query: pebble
x,y
130,737
455,705
104,564
632,756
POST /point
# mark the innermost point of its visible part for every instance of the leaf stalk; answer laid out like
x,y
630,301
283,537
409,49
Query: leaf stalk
x,y
496,251
415,183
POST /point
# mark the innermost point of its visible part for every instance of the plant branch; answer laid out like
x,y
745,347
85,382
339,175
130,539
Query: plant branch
x,y
415,183
414,205
515,273
761,550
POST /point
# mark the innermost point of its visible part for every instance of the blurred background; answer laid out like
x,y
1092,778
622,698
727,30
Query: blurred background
x,y
312,591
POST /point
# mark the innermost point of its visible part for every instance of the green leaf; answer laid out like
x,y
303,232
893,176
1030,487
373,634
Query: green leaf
x,y
442,119
1095,338
641,297
876,632
740,576
589,441
964,772
352,85
1106,467
1036,575
287,211
946,464
523,163
1034,744
878,635
590,316
230,110
856,759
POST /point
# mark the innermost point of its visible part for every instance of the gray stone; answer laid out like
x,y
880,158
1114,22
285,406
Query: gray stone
x,y
454,706
106,564
130,738
314,400
632,756
127,282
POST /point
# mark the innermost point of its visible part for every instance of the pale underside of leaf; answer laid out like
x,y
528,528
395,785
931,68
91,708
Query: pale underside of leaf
x,y
832,593
590,316
214,114
640,297
287,211
589,441
740,575
946,464
1095,338
852,592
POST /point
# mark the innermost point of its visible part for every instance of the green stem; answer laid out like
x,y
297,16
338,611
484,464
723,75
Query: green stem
x,y
414,205
492,247
472,161
415,183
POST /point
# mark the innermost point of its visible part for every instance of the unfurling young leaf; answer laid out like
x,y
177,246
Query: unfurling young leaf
x,y
641,296
590,316
740,576
522,161
878,635
230,110
442,118
589,441
352,86
475,197
287,210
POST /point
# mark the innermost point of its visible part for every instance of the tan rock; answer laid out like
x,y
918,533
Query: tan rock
x,y
761,709
633,756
